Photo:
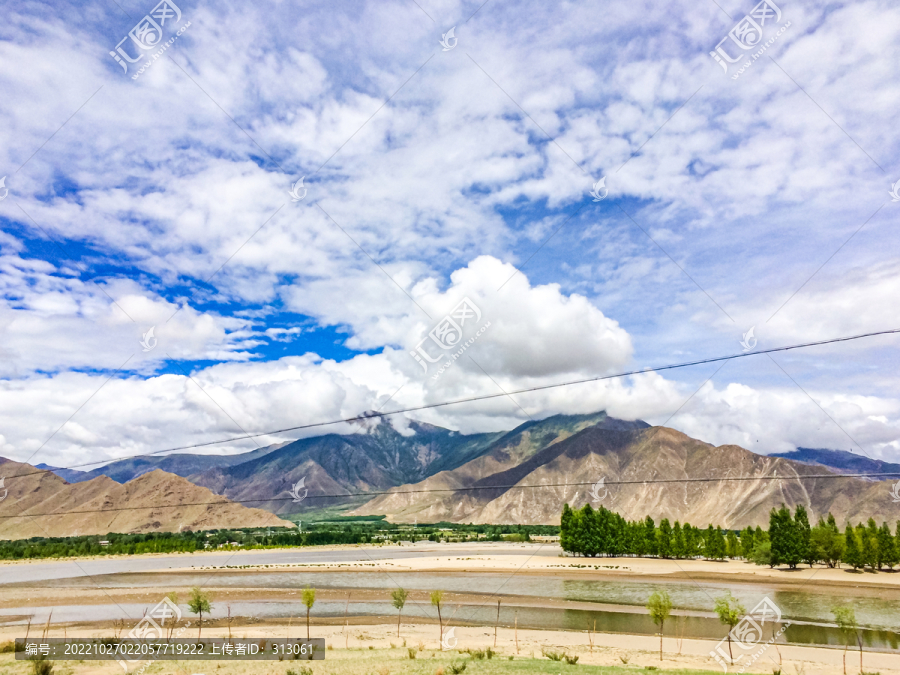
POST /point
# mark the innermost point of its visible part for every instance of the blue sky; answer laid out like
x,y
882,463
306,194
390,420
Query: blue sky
x,y
431,175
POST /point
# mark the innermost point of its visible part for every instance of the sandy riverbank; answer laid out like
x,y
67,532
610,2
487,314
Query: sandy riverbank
x,y
526,562
531,558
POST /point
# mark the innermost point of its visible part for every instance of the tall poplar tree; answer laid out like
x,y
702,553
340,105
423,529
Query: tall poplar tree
x,y
801,535
747,542
886,546
851,548
650,534
679,550
664,539
565,529
867,552
732,546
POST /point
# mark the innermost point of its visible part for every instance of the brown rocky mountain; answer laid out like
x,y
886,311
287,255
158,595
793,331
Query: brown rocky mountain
x,y
375,458
153,502
534,455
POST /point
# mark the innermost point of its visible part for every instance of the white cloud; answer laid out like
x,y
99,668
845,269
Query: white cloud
x,y
750,187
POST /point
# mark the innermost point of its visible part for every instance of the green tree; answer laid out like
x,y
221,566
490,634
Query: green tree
x,y
664,539
872,534
730,611
886,546
747,542
852,555
827,542
398,599
867,547
691,540
590,539
650,535
309,599
845,618
659,604
437,597
786,546
679,550
198,603
714,543
732,546
801,534
565,529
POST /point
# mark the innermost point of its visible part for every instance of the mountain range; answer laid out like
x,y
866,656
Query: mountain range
x,y
428,473
183,465
843,461
633,469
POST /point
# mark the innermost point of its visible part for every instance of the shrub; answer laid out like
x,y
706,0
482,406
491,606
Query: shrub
x,y
571,660
41,665
304,670
553,656
457,668
411,652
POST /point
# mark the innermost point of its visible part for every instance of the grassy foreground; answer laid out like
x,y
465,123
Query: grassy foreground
x,y
355,662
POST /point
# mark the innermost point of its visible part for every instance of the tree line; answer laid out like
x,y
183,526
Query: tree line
x,y
789,540
349,530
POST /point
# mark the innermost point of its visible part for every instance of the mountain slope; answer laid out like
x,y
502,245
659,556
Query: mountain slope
x,y
182,464
843,461
631,456
377,458
155,501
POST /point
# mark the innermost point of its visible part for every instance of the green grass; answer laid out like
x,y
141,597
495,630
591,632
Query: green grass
x,y
427,662
360,662
327,513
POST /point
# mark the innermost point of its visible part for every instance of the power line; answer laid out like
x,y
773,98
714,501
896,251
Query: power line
x,y
467,489
483,397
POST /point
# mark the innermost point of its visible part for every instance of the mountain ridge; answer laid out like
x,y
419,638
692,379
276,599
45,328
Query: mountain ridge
x,y
653,471
842,460
41,504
